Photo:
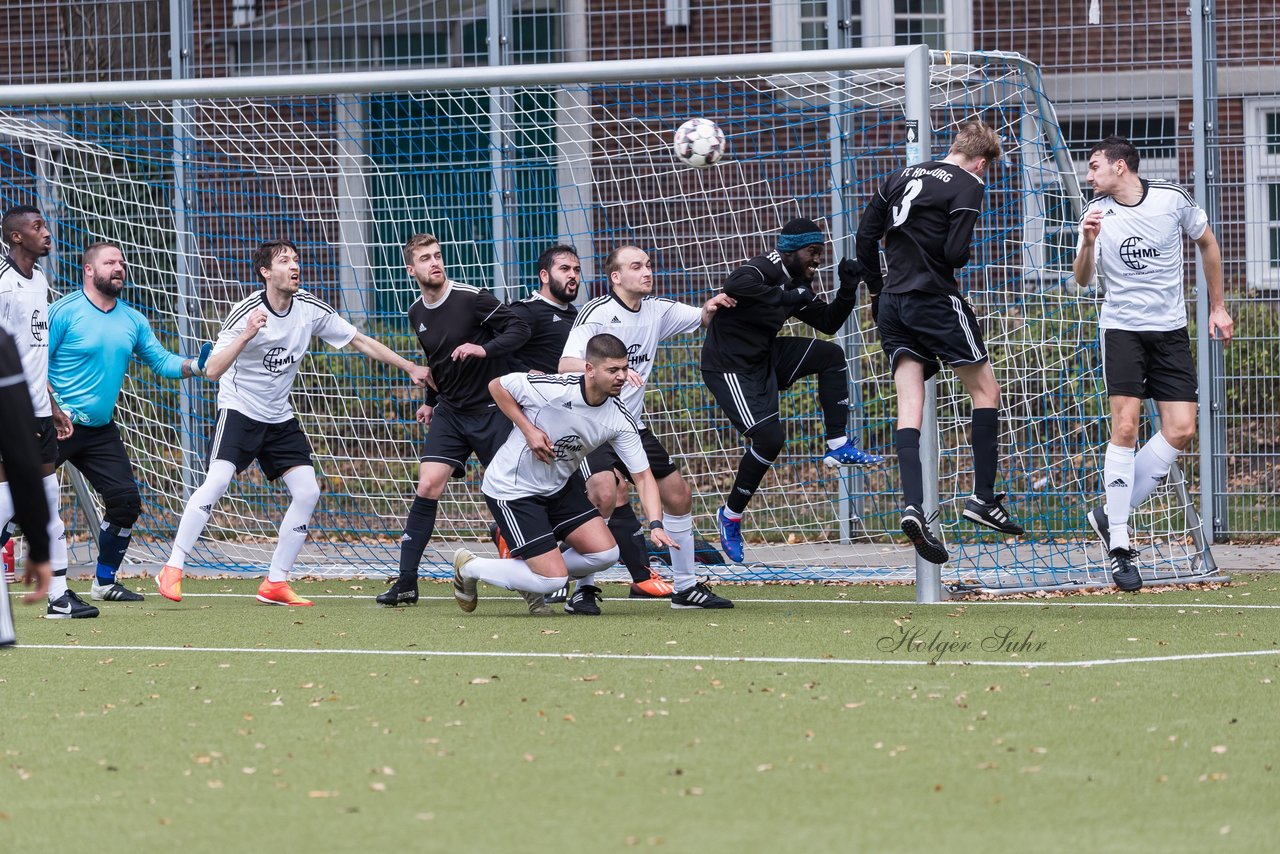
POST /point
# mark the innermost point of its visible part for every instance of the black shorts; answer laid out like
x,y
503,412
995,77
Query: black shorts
x,y
240,440
604,458
929,328
452,437
750,397
99,454
47,439
534,525
1157,365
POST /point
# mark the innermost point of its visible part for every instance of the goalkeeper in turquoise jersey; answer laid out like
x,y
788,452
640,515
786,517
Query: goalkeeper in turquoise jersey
x,y
93,334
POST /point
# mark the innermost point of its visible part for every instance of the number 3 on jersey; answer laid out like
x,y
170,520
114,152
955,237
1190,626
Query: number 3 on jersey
x,y
902,210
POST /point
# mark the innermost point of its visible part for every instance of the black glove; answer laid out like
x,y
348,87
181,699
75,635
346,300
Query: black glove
x,y
850,273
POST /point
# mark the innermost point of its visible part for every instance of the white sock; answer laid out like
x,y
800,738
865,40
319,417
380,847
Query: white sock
x,y
680,529
1117,475
586,580
57,538
6,504
1150,467
511,574
728,514
198,510
302,486
832,444
583,566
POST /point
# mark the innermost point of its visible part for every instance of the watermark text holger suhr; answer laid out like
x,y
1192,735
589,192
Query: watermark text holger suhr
x,y
918,640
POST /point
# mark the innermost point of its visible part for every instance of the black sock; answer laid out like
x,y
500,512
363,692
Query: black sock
x,y
984,436
833,396
908,442
751,471
418,528
625,528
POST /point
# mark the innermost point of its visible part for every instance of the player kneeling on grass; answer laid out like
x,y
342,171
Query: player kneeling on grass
x,y
533,486
262,343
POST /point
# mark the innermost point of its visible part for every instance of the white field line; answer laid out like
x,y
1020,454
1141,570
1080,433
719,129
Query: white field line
x,y
718,659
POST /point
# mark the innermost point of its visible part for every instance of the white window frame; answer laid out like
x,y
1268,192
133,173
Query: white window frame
x,y
1261,169
1034,231
877,24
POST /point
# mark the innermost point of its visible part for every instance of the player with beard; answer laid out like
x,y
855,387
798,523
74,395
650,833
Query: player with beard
x,y
551,314
93,334
255,362
24,314
467,336
1131,237
745,364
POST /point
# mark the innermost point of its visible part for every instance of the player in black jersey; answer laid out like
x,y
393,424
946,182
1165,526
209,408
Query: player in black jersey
x,y
745,363
926,214
467,335
549,312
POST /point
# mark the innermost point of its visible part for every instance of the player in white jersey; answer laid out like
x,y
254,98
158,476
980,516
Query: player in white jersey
x,y
1131,237
24,313
631,312
533,485
254,361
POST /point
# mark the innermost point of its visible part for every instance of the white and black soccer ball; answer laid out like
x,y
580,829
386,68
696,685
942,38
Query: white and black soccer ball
x,y
699,143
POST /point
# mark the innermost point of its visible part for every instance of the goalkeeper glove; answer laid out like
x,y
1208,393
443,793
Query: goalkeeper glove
x,y
199,362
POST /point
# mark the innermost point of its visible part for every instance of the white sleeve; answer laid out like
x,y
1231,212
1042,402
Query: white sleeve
x,y
519,387
333,329
630,449
1193,220
678,319
575,346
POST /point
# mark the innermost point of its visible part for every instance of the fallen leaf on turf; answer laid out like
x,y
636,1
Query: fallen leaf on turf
x,y
479,680
529,757
378,787
767,766
550,631
1219,748
319,793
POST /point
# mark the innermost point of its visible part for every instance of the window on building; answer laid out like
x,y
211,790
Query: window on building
x,y
1262,194
804,24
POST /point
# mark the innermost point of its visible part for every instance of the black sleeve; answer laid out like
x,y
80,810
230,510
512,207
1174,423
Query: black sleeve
x,y
517,361
760,281
871,229
21,453
509,332
827,317
964,216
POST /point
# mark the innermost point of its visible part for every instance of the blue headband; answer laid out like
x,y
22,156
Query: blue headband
x,y
792,242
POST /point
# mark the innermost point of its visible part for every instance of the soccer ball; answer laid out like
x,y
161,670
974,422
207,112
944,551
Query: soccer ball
x,y
699,143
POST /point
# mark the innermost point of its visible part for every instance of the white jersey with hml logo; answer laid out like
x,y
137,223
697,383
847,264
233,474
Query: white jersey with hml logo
x,y
24,313
557,406
259,381
1139,253
641,330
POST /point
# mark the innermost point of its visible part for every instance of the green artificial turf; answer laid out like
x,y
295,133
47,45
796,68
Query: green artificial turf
x,y
858,744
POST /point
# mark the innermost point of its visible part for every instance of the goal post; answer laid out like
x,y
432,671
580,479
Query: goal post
x,y
501,162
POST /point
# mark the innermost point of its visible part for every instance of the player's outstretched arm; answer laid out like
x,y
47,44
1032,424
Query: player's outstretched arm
x,y
711,306
231,345
651,502
155,356
1220,322
381,352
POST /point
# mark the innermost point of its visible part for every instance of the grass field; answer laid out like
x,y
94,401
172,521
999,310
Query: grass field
x,y
808,718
